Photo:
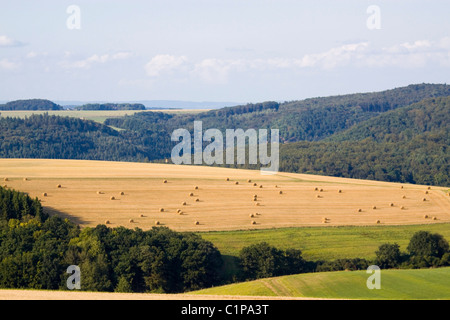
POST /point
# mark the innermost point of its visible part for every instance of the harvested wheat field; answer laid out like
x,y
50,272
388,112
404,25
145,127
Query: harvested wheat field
x,y
133,194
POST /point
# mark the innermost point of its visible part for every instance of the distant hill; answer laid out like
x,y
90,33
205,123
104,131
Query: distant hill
x,y
159,104
398,135
111,106
30,104
410,144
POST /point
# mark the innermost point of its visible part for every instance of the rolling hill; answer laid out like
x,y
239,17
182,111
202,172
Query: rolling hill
x,y
428,284
399,135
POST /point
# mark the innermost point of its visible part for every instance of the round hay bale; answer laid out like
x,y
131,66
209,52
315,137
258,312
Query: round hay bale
x,y
227,179
276,186
429,188
281,192
157,223
255,199
6,179
107,222
249,180
113,198
183,203
131,221
196,223
255,184
25,179
99,192
44,194
141,216
434,218
324,220
251,215
5,186
164,181
360,210
191,194
178,210
404,197
424,199
122,193
426,192
378,222
402,208
260,186
58,186
374,207
197,200
401,187
253,222
339,191
237,182
161,209
425,216
257,204
391,204
196,188
321,190
318,196
316,189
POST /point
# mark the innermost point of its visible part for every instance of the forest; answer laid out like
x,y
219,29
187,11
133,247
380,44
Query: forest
x,y
30,104
36,249
399,135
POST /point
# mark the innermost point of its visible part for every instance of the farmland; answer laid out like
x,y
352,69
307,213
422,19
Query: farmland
x,y
395,284
217,204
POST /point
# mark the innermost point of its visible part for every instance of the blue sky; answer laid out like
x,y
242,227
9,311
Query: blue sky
x,y
219,50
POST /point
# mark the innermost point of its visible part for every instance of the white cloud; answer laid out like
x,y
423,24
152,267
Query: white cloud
x,y
164,63
5,64
94,59
6,41
362,54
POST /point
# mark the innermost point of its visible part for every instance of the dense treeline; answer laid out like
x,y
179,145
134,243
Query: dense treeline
x,y
31,104
424,250
53,137
111,106
18,205
409,145
35,251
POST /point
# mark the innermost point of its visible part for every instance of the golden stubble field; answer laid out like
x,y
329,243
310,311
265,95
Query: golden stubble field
x,y
282,200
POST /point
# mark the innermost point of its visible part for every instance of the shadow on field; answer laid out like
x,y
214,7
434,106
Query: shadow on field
x,y
52,211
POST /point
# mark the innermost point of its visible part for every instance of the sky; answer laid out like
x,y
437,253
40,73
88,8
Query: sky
x,y
219,50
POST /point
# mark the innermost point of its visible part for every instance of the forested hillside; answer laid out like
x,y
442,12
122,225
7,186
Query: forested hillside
x,y
52,137
31,104
399,135
410,144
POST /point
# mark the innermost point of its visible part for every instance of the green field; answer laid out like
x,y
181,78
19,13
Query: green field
x,y
94,115
428,284
327,243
